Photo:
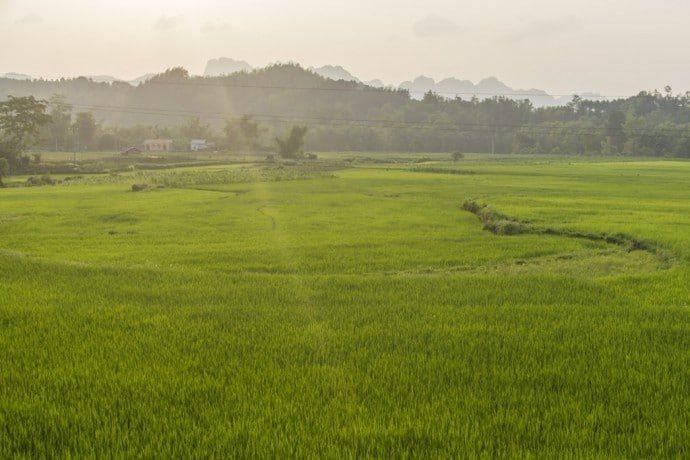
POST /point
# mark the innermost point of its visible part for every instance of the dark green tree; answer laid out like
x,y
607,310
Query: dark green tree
x,y
20,121
431,97
195,129
292,145
61,120
84,128
107,141
4,169
615,131
242,133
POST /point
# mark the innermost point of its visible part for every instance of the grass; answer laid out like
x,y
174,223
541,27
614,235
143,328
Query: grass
x,y
351,313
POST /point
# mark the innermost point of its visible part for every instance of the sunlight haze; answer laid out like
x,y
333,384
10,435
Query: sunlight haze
x,y
561,47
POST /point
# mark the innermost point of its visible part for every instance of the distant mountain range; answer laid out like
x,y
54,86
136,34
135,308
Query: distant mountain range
x,y
449,87
225,66
16,76
488,87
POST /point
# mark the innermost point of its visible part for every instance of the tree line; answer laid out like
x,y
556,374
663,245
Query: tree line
x,y
248,110
80,131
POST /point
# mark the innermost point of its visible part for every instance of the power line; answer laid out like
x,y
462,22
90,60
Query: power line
x,y
379,123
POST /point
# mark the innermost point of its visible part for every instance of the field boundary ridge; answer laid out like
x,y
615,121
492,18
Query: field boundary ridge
x,y
501,224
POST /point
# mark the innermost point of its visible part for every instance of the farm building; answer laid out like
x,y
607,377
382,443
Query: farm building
x,y
158,145
197,145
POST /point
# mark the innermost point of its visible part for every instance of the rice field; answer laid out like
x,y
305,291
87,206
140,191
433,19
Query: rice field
x,y
348,309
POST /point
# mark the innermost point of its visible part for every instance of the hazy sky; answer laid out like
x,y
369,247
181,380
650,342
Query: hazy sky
x,y
614,47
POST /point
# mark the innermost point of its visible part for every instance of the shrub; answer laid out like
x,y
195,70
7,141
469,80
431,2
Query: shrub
x,y
495,221
139,187
505,227
472,206
34,181
292,146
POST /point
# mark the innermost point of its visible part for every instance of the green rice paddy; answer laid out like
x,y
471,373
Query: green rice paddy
x,y
347,309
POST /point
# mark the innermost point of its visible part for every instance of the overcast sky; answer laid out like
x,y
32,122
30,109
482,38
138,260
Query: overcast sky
x,y
612,47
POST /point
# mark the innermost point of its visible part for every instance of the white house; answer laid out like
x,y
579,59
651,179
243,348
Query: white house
x,y
200,144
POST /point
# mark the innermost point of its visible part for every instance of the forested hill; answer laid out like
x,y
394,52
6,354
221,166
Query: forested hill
x,y
343,115
279,90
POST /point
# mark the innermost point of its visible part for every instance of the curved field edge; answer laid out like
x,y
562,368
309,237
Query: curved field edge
x,y
524,258
501,224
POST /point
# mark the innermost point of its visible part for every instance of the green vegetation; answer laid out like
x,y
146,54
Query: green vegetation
x,y
20,120
292,146
500,224
39,181
361,311
4,169
247,110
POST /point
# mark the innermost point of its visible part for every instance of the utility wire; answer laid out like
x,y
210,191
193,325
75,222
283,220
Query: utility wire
x,y
379,123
